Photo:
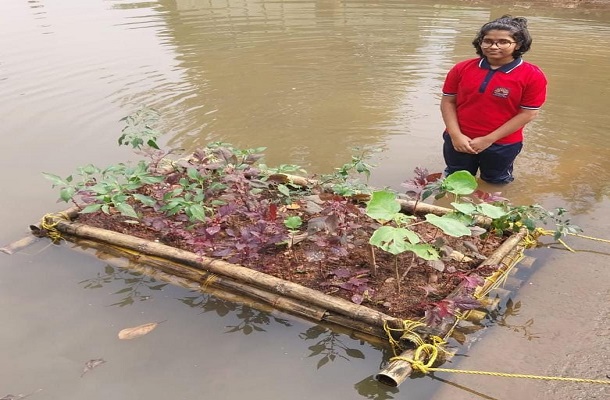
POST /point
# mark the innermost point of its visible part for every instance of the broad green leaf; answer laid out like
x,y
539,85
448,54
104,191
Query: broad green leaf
x,y
126,209
390,239
463,219
197,212
460,183
57,180
91,208
293,222
411,236
67,193
90,169
465,208
283,189
101,188
492,211
146,200
153,144
449,225
192,173
152,179
423,250
382,206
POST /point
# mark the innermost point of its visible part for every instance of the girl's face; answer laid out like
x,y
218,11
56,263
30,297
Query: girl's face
x,y
498,47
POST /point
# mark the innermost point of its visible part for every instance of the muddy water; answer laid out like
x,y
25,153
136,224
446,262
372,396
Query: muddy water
x,y
308,79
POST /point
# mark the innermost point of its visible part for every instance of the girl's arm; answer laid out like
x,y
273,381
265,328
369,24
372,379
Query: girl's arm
x,y
460,141
518,121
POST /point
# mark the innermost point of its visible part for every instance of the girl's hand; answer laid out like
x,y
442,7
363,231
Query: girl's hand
x,y
481,143
462,143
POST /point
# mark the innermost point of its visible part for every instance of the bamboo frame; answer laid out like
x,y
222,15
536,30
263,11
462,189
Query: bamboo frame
x,y
224,288
266,289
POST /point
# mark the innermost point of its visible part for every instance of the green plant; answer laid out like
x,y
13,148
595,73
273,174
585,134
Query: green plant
x,y
105,189
188,197
118,184
531,217
283,169
73,184
396,238
293,222
140,129
471,203
341,181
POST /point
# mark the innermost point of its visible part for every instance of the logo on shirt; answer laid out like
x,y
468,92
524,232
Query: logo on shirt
x,y
501,92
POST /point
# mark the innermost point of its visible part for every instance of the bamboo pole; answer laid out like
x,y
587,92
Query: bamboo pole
x,y
35,234
19,245
230,290
236,272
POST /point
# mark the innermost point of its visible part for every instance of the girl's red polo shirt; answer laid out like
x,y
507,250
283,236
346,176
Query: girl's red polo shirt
x,y
487,98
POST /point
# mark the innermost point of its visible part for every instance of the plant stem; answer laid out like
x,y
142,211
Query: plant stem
x,y
409,267
372,260
397,274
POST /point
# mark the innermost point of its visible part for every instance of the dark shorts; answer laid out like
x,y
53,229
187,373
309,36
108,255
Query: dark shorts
x,y
495,162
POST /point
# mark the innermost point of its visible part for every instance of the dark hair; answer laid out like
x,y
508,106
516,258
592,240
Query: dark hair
x,y
516,26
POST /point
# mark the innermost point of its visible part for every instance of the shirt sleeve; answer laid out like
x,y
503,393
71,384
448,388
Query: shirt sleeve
x,y
534,94
450,87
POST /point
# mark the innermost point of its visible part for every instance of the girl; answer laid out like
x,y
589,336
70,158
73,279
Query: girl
x,y
488,100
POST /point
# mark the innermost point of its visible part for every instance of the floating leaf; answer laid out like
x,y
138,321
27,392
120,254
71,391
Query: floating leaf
x,y
137,331
89,365
19,396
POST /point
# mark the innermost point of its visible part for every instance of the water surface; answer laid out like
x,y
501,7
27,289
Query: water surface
x,y
310,80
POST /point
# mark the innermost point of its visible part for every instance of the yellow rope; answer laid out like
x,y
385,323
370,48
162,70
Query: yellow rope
x,y
544,232
418,364
49,223
407,333
209,280
589,237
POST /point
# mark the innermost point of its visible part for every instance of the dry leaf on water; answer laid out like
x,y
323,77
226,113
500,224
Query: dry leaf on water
x,y
19,396
89,365
137,331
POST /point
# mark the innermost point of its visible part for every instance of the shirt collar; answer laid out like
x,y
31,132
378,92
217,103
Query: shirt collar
x,y
506,68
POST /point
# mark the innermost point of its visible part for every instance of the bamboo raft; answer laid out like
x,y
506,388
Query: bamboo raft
x,y
263,291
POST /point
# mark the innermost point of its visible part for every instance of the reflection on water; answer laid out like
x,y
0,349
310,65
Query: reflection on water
x,y
133,284
137,285
329,346
511,309
250,319
369,388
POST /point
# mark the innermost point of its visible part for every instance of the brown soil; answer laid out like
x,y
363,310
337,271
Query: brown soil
x,y
313,265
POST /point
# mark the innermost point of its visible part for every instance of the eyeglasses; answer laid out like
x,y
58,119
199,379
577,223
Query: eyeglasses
x,y
501,44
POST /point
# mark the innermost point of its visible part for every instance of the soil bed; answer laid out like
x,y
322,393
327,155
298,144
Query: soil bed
x,y
335,258
332,234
